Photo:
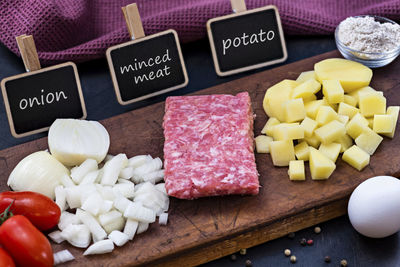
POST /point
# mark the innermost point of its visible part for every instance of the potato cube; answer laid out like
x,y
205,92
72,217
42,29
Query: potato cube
x,y
306,89
356,94
282,152
296,170
343,119
368,141
325,114
394,112
287,131
269,125
331,150
306,75
332,105
309,126
372,104
345,141
321,166
262,143
370,122
312,108
312,141
330,132
350,100
308,99
383,123
356,126
302,151
333,91
356,157
345,109
294,110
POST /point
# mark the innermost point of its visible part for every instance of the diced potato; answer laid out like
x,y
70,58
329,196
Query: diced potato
x,y
331,150
312,141
287,131
269,125
325,114
312,108
345,141
262,143
356,126
333,91
302,151
352,75
294,110
296,170
275,96
282,152
321,167
370,122
343,119
383,124
372,104
309,126
330,132
394,112
356,94
350,100
368,141
306,89
310,98
306,75
345,109
356,157
332,105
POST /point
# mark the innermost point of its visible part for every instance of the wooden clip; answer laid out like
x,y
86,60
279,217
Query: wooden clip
x,y
238,6
133,21
27,48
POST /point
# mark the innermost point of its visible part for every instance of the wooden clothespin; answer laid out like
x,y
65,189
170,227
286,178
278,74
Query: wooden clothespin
x,y
133,21
238,6
27,48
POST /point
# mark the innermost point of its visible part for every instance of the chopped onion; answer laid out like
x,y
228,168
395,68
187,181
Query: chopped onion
x,y
121,203
73,141
77,235
67,181
56,237
100,247
94,227
131,227
77,174
118,225
106,192
163,219
90,178
118,238
126,173
93,203
66,219
142,227
154,177
109,217
62,257
106,207
139,160
137,212
161,187
61,196
112,169
125,189
39,172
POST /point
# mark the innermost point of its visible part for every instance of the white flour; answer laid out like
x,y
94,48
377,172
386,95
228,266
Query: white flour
x,y
367,35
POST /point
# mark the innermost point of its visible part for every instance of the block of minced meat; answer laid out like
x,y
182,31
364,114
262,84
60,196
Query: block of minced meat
x,y
209,146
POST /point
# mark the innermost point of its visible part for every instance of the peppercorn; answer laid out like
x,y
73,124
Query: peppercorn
x,y
233,257
303,242
343,263
293,259
243,251
291,235
248,263
317,230
327,259
287,252
310,242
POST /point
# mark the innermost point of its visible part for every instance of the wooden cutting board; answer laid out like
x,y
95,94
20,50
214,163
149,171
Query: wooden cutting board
x,y
206,229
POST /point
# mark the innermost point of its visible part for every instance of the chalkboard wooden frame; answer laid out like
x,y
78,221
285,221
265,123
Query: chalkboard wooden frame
x,y
114,77
243,69
15,77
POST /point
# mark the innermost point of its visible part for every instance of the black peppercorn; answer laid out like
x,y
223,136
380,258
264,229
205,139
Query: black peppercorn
x,y
233,257
248,263
327,259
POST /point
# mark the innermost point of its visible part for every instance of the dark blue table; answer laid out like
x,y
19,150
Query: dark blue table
x,y
337,239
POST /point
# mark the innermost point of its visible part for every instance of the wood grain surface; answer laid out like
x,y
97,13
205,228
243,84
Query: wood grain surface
x,y
205,229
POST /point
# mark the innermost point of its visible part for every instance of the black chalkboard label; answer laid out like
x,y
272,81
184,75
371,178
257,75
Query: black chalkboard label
x,y
146,67
246,40
34,100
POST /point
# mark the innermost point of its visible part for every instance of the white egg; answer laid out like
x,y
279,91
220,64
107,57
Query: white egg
x,y
374,207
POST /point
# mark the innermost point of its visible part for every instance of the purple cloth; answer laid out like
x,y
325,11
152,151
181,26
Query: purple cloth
x,y
80,30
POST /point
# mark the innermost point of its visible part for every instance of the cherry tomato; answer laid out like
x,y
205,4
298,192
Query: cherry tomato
x,y
5,259
25,243
38,208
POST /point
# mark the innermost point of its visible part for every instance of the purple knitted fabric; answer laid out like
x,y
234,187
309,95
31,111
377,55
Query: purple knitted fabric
x,y
80,30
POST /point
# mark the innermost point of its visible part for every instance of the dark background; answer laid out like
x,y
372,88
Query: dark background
x,y
337,239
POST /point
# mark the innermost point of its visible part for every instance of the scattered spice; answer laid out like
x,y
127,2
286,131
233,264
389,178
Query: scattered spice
x,y
287,252
327,259
303,242
293,259
233,257
310,242
291,235
317,230
243,251
343,263
248,263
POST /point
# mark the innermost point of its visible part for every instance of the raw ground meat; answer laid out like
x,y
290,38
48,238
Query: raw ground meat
x,y
208,147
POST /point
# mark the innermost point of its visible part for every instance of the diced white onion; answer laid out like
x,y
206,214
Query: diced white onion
x,y
142,227
93,203
126,173
107,206
125,189
139,160
67,181
62,257
61,197
142,214
112,169
163,219
161,187
66,219
56,237
121,203
118,225
100,247
118,238
94,227
106,192
77,235
90,178
130,228
77,174
109,217
154,177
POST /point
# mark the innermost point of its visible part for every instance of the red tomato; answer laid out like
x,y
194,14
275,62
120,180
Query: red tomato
x,y
38,208
25,243
5,259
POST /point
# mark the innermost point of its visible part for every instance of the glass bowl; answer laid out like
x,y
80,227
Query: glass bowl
x,y
372,60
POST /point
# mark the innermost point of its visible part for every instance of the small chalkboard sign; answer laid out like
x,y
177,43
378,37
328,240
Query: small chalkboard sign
x,y
34,100
246,40
146,66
